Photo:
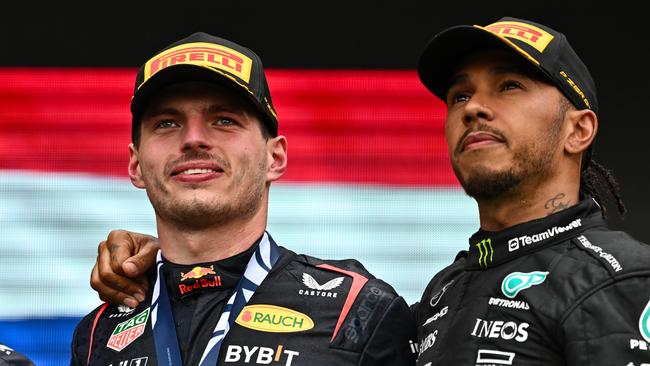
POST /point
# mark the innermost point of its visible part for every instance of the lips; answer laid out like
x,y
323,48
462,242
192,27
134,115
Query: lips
x,y
196,168
479,139
196,172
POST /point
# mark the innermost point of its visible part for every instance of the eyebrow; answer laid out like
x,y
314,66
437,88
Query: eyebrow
x,y
214,108
497,70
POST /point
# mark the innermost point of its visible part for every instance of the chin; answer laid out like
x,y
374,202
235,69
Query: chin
x,y
486,183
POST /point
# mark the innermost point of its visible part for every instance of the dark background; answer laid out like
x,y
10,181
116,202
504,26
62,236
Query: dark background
x,y
611,38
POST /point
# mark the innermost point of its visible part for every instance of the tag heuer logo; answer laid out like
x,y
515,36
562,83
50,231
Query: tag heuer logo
x,y
128,331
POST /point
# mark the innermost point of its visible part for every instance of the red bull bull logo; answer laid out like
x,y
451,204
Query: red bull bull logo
x,y
198,274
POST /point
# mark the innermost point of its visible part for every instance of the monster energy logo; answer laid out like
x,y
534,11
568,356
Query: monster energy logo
x,y
485,251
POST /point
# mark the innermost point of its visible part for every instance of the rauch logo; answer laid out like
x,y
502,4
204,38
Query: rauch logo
x,y
275,319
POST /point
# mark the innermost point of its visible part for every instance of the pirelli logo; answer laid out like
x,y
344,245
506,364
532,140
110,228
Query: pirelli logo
x,y
202,54
529,34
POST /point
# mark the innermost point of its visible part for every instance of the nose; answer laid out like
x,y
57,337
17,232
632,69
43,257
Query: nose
x,y
477,109
196,135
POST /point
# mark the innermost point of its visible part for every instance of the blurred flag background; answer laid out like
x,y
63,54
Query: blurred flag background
x,y
368,173
368,178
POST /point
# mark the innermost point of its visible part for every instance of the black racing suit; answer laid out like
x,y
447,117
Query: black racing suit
x,y
561,290
9,357
357,319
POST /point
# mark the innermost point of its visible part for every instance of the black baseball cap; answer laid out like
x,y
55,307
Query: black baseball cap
x,y
204,57
546,49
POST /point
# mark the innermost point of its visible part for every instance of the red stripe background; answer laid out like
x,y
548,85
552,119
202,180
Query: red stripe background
x,y
350,126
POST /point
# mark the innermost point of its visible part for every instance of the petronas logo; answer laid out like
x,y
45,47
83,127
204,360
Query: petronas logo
x,y
519,281
485,252
644,323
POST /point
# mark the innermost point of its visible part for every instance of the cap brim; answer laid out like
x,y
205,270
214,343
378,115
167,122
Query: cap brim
x,y
188,73
446,50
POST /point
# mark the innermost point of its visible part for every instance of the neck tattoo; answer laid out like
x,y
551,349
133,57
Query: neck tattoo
x,y
556,204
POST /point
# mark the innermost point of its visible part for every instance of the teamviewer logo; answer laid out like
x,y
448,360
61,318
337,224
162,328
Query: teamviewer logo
x,y
513,244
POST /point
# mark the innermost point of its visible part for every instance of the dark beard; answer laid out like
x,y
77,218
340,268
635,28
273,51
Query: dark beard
x,y
532,161
487,185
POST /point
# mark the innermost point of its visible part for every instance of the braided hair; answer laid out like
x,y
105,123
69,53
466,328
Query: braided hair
x,y
599,183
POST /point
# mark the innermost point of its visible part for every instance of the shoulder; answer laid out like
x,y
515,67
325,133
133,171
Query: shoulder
x,y
598,262
617,252
82,336
370,311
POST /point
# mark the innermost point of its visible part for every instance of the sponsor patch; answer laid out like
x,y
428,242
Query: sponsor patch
x,y
123,310
128,331
198,278
427,342
499,329
316,289
486,252
510,304
644,323
208,55
616,266
140,361
488,357
531,35
519,281
435,299
274,319
437,315
260,355
356,328
525,240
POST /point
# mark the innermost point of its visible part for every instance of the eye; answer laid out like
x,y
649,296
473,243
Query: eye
x,y
457,97
168,123
511,85
224,122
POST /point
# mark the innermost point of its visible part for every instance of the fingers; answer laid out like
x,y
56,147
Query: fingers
x,y
120,246
108,293
144,256
109,280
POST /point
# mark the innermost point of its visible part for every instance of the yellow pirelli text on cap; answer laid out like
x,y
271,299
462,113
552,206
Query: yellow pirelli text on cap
x,y
527,33
202,54
576,88
275,319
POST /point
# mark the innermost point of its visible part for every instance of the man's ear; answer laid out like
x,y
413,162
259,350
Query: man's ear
x,y
277,158
134,167
583,125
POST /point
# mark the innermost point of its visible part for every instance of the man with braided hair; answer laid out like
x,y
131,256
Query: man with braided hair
x,y
544,281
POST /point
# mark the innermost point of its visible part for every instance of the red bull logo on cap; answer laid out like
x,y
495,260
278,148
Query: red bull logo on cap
x,y
527,33
204,54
